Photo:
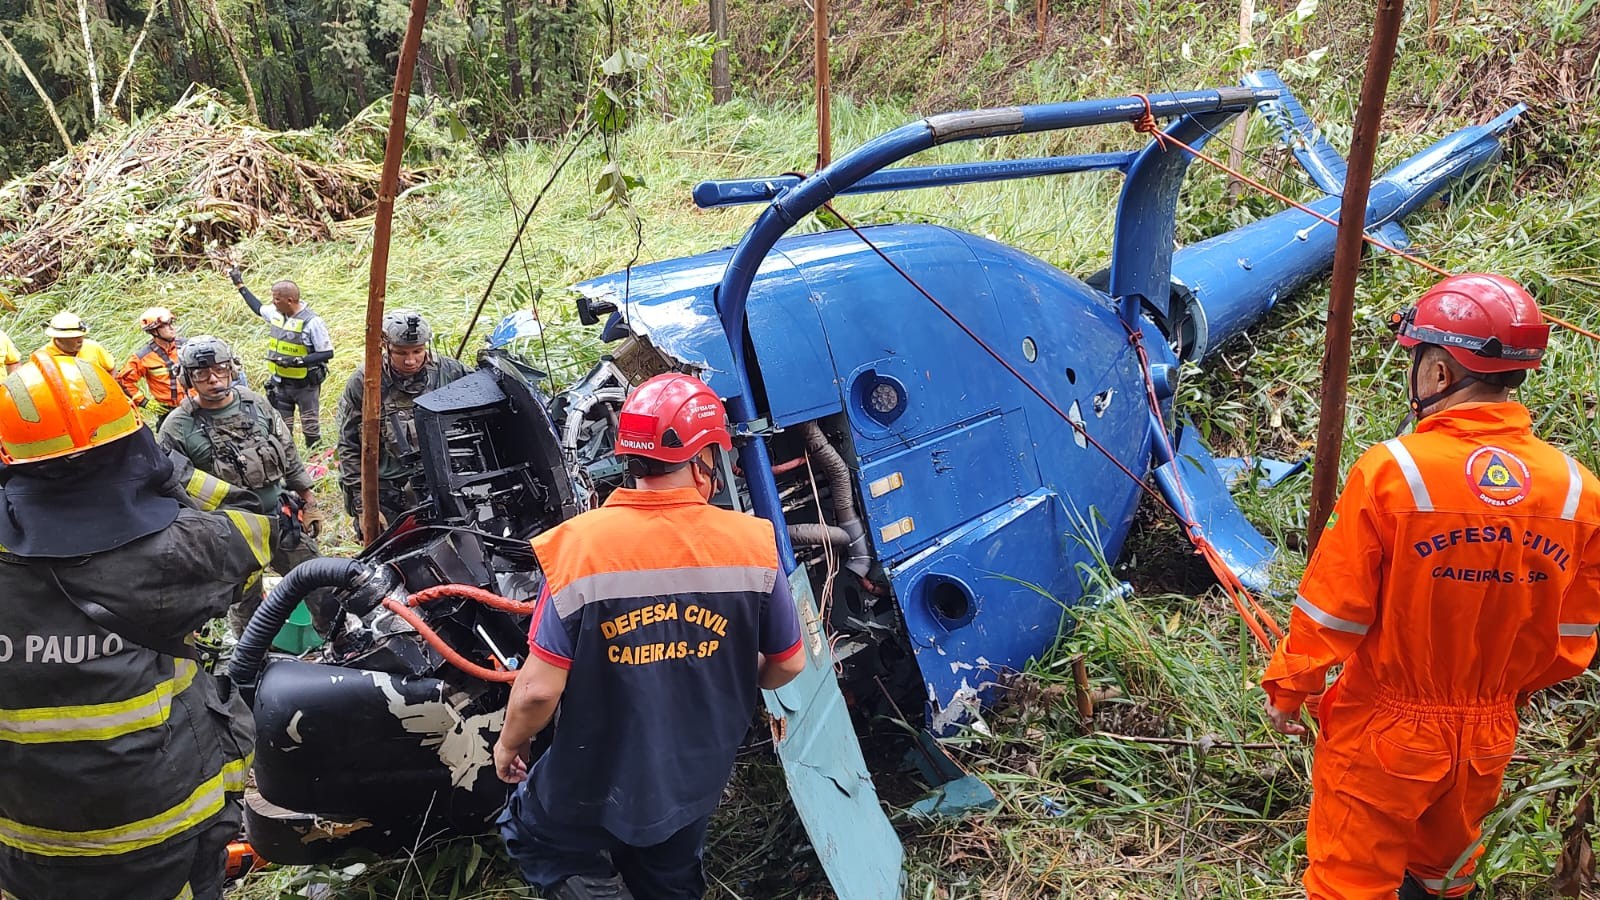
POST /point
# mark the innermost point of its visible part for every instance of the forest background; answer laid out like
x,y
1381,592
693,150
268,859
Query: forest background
x,y
210,131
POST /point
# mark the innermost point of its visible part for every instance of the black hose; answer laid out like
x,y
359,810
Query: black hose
x,y
858,555
250,654
811,534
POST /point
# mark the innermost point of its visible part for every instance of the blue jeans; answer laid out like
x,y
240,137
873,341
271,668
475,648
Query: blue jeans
x,y
548,852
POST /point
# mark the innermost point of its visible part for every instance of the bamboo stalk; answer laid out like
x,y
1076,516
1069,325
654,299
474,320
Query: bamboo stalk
x,y
388,186
49,105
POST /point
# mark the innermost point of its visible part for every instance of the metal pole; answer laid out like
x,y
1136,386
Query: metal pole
x,y
721,84
1347,265
824,89
388,186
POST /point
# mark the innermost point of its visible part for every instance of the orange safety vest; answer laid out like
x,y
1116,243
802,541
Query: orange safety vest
x,y
158,368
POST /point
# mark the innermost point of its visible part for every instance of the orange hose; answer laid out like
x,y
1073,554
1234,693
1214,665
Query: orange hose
x,y
450,653
475,594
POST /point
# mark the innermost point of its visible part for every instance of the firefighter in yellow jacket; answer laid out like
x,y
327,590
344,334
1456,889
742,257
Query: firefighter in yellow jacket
x,y
121,762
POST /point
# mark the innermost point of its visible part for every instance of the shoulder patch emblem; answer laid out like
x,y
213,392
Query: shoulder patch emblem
x,y
1497,477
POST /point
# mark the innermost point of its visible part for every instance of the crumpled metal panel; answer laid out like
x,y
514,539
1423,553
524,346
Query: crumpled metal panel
x,y
828,777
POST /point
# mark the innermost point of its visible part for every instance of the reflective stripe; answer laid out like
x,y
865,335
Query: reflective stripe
x,y
1576,629
286,341
235,773
256,532
1439,884
205,802
207,490
1327,619
655,582
97,721
1569,510
1408,466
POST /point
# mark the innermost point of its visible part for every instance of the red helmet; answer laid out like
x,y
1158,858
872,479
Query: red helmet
x,y
1487,323
671,418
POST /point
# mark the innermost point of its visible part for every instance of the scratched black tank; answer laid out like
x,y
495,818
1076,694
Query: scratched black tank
x,y
381,742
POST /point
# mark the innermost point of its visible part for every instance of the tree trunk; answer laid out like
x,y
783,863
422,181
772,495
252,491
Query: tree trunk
x,y
49,105
272,21
425,69
302,71
191,59
513,42
258,50
215,15
133,54
88,50
452,76
721,86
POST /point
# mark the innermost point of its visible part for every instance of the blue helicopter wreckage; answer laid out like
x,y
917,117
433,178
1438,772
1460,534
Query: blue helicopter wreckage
x,y
940,426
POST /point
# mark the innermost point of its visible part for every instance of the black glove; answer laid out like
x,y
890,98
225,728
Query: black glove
x,y
235,277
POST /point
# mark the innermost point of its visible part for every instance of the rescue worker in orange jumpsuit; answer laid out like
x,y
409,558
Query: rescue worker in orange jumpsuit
x,y
661,615
156,364
1458,573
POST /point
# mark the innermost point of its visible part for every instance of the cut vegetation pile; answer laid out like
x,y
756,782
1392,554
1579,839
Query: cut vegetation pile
x,y
167,191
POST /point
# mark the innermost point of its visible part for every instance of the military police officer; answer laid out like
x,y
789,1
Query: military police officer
x,y
232,433
298,350
410,369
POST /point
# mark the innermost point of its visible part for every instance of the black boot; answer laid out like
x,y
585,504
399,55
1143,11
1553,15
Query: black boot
x,y
584,887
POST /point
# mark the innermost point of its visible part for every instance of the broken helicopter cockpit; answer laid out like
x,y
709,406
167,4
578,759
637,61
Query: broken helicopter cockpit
x,y
870,375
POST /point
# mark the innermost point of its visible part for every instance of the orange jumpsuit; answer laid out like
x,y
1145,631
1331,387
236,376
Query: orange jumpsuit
x,y
1459,572
157,367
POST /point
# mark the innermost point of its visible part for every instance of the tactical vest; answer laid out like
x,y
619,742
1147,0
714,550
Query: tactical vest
x,y
168,375
400,413
287,340
243,451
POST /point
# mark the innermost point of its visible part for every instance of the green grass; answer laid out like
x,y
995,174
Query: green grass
x,y
1082,814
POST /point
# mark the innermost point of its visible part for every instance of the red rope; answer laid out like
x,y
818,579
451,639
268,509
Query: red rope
x,y
1258,620
1145,123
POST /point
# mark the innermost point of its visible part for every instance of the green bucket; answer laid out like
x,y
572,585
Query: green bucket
x,y
297,636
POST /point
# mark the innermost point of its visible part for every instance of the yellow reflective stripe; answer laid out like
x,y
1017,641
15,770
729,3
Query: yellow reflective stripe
x,y
97,721
255,530
235,773
209,491
205,802
35,449
186,894
288,348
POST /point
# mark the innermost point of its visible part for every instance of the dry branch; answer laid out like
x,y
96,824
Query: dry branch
x,y
173,189
49,105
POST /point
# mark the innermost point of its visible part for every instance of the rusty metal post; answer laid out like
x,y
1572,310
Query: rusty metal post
x,y
824,89
388,186
721,83
1347,265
